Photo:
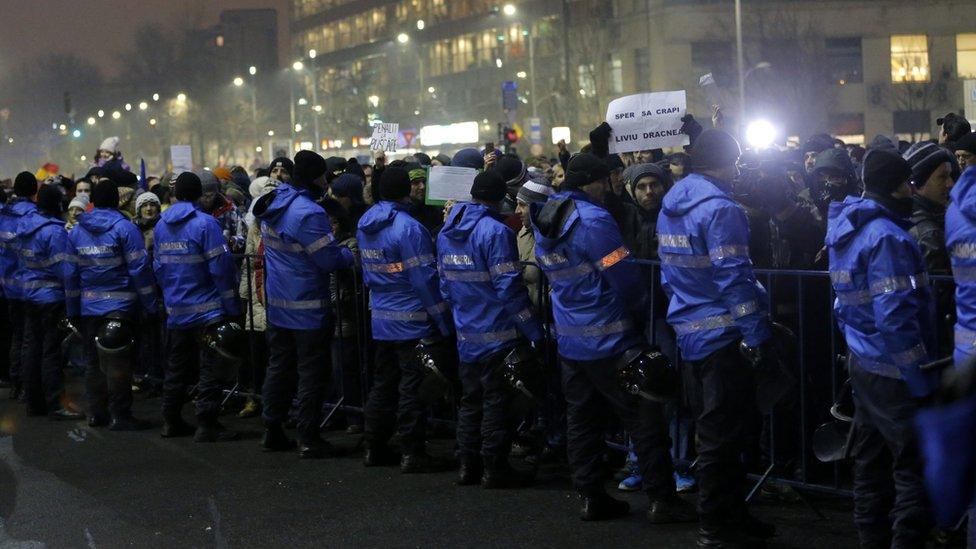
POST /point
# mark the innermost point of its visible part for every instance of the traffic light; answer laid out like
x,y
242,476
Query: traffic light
x,y
510,135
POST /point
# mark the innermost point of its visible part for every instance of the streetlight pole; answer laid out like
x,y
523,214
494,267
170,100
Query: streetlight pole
x,y
740,62
531,37
315,99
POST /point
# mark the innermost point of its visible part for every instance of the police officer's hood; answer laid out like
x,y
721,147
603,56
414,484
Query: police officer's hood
x,y
19,207
381,216
35,221
845,219
464,217
555,218
100,220
178,213
690,192
963,194
273,205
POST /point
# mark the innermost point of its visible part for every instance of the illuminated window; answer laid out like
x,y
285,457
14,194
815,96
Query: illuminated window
x,y
966,55
616,74
909,58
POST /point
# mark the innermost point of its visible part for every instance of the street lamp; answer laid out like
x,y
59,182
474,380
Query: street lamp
x,y
155,97
403,38
508,9
101,113
270,133
128,107
421,24
116,115
252,70
143,106
91,120
302,101
312,54
298,65
181,97
238,81
152,121
374,100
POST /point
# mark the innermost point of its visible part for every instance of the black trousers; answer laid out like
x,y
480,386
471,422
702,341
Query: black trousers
x,y
392,403
15,309
591,388
302,358
721,391
890,504
108,380
484,425
188,362
41,362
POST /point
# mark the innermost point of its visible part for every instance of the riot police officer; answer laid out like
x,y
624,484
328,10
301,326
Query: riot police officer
x,y
598,299
117,285
196,272
481,277
883,307
400,270
25,187
300,255
47,279
715,302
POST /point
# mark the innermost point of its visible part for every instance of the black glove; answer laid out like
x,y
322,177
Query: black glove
x,y
691,128
600,140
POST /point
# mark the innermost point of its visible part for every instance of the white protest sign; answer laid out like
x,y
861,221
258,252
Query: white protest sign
x,y
449,183
182,158
384,137
647,121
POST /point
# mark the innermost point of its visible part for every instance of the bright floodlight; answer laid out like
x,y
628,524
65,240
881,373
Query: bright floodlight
x,y
252,70
403,38
298,65
760,134
508,9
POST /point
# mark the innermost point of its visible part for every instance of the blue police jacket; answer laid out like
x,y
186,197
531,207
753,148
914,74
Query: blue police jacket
x,y
10,217
884,304
299,255
481,277
595,292
703,243
114,272
401,272
48,262
960,228
194,267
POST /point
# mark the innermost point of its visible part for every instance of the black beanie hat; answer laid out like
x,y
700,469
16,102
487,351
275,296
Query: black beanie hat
x,y
49,199
394,183
309,166
283,162
25,185
188,187
884,171
924,158
583,169
105,195
489,186
714,149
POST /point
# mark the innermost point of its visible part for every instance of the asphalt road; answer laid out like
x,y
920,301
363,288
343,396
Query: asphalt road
x,y
63,484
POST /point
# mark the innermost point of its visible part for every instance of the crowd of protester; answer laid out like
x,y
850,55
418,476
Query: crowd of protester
x,y
786,193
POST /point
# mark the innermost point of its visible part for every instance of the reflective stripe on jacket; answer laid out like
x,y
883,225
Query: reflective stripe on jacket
x,y
48,262
10,217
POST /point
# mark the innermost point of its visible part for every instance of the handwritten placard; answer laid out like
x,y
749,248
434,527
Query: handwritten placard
x,y
647,121
384,137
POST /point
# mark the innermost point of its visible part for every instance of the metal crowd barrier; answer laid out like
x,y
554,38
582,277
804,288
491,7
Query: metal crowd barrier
x,y
802,300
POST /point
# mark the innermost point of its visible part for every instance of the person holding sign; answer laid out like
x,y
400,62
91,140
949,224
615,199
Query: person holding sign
x,y
598,306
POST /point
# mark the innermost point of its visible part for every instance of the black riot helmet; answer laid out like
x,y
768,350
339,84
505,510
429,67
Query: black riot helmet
x,y
225,338
647,373
114,336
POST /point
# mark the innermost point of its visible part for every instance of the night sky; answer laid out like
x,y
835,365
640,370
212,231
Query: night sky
x,y
102,30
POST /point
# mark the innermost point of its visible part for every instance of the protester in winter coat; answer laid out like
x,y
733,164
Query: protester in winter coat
x,y
147,215
932,178
223,210
647,183
534,190
76,207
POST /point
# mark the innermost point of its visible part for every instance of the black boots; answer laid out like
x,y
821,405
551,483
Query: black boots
x,y
469,473
175,426
210,430
603,507
671,510
380,456
275,440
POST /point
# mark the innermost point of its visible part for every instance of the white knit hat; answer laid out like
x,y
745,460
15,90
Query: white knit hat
x,y
111,144
146,197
